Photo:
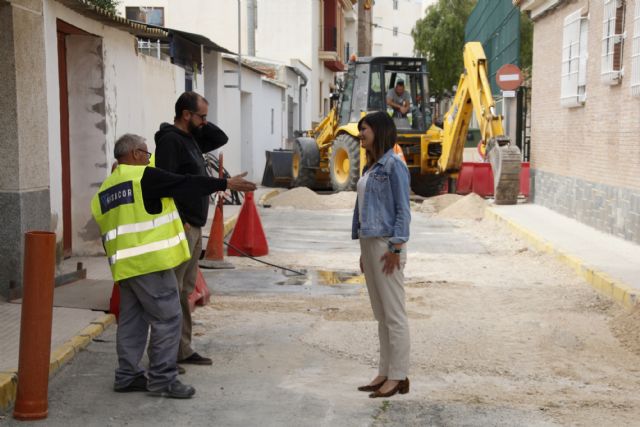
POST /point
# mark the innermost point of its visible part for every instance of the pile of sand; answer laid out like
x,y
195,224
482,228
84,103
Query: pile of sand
x,y
470,206
303,198
436,204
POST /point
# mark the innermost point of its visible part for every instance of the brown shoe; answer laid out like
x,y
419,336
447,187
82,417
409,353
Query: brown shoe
x,y
402,387
372,387
196,359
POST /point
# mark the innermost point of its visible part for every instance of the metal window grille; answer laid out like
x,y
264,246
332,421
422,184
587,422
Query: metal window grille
x,y
635,53
574,60
612,41
150,48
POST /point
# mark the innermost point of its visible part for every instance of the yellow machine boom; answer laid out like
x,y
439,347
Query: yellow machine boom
x,y
474,96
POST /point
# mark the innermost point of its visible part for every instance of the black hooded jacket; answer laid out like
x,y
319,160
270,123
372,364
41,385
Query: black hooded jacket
x,y
181,153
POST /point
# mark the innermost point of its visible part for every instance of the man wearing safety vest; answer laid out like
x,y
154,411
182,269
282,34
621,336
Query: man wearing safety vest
x,y
144,240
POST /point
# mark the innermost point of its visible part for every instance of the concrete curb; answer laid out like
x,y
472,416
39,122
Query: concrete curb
x,y
59,356
269,195
620,292
229,224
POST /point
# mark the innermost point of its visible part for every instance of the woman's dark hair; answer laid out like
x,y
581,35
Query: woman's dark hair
x,y
188,101
384,131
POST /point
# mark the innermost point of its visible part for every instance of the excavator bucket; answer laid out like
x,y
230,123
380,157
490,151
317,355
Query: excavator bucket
x,y
277,170
505,162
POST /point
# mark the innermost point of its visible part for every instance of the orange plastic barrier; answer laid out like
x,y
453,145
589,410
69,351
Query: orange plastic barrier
x,y
525,179
482,179
465,179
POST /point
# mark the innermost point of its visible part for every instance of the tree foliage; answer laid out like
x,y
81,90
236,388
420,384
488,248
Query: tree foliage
x,y
526,43
108,5
439,37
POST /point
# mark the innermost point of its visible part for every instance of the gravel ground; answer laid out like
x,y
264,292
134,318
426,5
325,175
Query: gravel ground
x,y
501,335
504,334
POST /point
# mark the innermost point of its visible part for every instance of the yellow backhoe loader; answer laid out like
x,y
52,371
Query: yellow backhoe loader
x,y
330,156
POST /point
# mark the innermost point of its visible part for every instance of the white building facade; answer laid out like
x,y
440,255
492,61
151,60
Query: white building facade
x,y
393,21
313,33
75,81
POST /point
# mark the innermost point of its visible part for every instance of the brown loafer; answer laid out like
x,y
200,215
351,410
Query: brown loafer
x,y
196,359
402,387
372,387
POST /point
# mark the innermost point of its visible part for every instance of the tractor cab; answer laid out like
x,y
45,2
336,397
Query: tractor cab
x,y
370,81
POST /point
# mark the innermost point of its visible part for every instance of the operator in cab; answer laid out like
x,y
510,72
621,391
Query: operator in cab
x,y
399,100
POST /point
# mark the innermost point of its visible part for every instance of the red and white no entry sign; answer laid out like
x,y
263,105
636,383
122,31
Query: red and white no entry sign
x,y
509,77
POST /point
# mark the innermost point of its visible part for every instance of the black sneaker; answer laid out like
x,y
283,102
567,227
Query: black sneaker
x,y
138,384
196,359
175,390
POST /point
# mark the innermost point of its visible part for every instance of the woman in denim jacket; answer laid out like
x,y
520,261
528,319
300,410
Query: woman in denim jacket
x,y
381,221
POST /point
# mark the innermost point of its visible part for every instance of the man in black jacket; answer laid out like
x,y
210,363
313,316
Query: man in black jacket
x,y
151,300
179,149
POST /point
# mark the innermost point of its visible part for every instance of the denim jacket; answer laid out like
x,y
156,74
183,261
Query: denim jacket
x,y
386,211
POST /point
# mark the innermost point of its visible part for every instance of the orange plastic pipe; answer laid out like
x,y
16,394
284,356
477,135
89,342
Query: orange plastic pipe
x,y
35,325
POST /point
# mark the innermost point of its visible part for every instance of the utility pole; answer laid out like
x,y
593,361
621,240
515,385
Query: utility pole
x,y
365,25
239,47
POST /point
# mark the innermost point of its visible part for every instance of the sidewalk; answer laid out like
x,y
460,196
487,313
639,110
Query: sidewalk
x,y
69,334
608,263
72,328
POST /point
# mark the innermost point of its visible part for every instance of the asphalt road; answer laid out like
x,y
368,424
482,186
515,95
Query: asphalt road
x,y
501,335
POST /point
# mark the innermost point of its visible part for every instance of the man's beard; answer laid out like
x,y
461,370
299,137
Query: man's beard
x,y
192,127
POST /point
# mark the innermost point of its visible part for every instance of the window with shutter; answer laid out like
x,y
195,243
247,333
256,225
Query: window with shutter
x,y
612,41
635,52
574,60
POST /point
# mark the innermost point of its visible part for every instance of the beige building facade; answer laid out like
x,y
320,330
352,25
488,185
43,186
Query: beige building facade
x,y
585,131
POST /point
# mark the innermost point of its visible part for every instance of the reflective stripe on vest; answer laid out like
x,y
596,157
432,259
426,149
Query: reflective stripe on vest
x,y
137,242
149,247
139,226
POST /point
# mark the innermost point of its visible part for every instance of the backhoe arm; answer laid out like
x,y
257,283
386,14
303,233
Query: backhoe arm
x,y
474,95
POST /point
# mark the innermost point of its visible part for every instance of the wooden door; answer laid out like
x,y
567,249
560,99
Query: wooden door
x,y
64,145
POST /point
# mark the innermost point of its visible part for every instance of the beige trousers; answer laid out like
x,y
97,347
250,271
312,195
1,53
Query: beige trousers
x,y
186,274
386,293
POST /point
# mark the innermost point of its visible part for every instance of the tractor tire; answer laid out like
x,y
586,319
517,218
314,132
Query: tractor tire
x,y
344,164
305,162
427,185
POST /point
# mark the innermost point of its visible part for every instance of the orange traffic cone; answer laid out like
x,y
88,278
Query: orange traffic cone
x,y
248,235
214,254
215,247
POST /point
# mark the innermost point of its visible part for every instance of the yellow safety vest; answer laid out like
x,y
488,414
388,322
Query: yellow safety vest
x,y
137,242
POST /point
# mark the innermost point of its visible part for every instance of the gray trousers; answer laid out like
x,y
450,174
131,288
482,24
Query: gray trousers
x,y
186,274
150,300
386,293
